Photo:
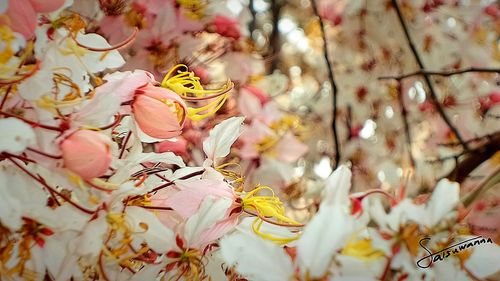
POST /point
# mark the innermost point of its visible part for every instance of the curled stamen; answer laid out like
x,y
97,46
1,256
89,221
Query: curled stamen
x,y
267,207
263,218
188,86
115,47
256,226
20,77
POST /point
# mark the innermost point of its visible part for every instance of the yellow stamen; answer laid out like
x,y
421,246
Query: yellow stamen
x,y
256,225
188,86
236,178
266,206
362,249
194,9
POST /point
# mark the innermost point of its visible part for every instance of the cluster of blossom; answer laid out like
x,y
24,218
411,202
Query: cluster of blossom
x,y
91,189
449,36
456,41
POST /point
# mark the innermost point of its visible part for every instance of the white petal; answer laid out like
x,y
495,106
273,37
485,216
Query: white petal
x,y
485,260
338,185
211,211
222,137
444,199
255,258
148,228
322,237
15,136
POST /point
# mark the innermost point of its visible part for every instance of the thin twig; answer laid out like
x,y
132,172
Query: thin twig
x,y
333,84
404,114
441,73
427,78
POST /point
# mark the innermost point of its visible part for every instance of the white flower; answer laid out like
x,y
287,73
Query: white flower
x,y
255,258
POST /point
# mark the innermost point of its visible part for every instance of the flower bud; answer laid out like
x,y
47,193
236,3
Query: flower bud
x,y
159,112
86,153
227,27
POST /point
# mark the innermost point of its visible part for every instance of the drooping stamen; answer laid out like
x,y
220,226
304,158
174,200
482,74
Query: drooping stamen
x,y
256,226
20,77
236,177
122,44
267,207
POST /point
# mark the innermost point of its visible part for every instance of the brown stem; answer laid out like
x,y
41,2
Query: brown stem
x,y
124,144
332,83
32,123
473,160
169,183
441,73
427,78
44,153
50,189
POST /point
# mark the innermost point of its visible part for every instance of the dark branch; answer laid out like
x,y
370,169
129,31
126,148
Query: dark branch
x,y
275,38
253,22
473,160
404,114
427,78
441,73
333,84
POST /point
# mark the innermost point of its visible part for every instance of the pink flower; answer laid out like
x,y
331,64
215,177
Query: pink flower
x,y
159,112
86,153
22,14
227,27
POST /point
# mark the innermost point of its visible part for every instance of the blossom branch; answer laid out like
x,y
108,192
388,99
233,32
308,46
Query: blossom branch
x,y
441,73
332,83
427,78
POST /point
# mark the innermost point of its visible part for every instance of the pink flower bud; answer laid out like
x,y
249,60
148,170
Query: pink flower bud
x,y
330,12
494,97
86,153
258,93
227,27
492,10
159,112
